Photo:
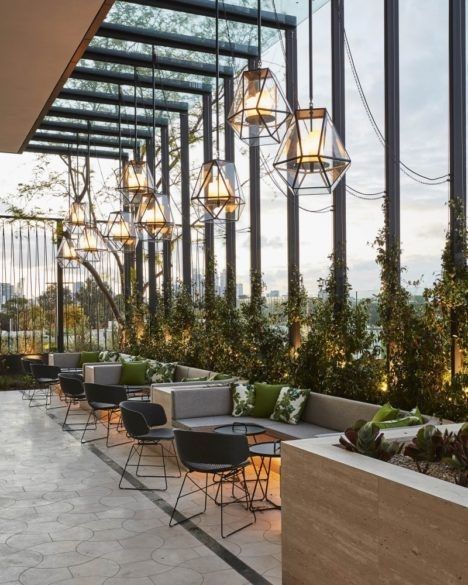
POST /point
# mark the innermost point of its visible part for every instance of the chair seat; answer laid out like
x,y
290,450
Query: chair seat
x,y
158,434
47,380
75,396
213,467
103,406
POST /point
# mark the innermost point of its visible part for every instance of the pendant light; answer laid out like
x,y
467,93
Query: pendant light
x,y
120,232
77,215
312,158
136,179
154,215
90,244
67,256
259,113
218,193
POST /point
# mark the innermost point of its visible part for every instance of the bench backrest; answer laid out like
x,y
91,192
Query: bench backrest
x,y
336,413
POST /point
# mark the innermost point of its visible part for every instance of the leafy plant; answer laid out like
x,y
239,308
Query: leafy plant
x,y
459,455
368,440
428,446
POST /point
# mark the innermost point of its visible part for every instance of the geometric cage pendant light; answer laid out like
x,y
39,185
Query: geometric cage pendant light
x,y
120,232
218,193
312,158
259,113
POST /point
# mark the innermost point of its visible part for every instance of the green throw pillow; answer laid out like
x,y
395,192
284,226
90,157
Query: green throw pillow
x,y
386,412
243,396
266,396
133,374
290,405
414,417
109,356
221,377
160,372
89,357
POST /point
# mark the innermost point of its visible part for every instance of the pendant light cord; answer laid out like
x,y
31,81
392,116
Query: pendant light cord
x,y
119,113
153,70
135,106
259,33
311,64
217,78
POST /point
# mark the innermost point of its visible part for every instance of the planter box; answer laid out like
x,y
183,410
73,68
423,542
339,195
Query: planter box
x,y
352,520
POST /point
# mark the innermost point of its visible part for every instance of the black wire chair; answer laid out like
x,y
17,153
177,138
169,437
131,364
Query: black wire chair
x,y
223,456
46,377
104,399
73,393
26,368
143,422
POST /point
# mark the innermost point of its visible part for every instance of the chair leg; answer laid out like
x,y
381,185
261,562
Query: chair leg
x,y
92,413
125,468
181,495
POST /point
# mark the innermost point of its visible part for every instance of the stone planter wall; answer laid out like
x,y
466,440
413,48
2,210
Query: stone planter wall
x,y
351,520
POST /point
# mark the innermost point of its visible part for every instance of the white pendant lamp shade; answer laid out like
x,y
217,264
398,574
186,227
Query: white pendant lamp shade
x,y
77,215
136,181
120,232
218,194
90,245
154,216
312,158
259,113
67,256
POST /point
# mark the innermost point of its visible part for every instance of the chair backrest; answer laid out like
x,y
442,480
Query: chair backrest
x,y
133,419
109,394
154,414
26,363
211,448
71,384
43,371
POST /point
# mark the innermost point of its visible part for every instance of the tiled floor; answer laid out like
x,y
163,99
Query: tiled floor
x,y
64,521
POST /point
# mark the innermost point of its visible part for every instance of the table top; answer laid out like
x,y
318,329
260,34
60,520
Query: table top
x,y
268,449
240,429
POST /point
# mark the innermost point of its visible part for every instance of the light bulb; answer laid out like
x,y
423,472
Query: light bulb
x,y
310,144
218,193
258,108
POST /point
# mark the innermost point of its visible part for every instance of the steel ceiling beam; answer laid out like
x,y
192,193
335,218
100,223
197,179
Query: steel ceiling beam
x,y
108,117
226,11
80,140
41,149
143,60
96,97
116,78
146,36
98,130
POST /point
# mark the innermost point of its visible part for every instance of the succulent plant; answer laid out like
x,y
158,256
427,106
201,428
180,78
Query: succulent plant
x,y
429,445
459,455
368,440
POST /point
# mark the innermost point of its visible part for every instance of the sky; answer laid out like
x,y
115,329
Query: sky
x,y
424,147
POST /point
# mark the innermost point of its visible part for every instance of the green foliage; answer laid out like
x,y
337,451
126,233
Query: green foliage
x,y
459,455
368,440
339,355
16,382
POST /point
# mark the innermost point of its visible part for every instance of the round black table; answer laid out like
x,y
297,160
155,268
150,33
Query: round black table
x,y
238,428
266,452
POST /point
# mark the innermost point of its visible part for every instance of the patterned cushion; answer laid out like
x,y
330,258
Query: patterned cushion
x,y
160,372
125,358
109,356
243,399
290,404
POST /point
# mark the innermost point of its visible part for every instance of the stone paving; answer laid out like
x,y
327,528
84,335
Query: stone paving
x,y
64,521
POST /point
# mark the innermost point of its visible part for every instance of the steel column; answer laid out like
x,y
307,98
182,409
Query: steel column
x,y
255,219
152,291
292,199
138,253
59,335
167,251
185,196
229,148
338,114
392,126
208,155
457,96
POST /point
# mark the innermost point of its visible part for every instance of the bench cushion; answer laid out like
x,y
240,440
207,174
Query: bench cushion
x,y
281,430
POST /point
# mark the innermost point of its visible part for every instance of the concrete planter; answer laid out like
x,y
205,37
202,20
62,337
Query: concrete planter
x,y
352,520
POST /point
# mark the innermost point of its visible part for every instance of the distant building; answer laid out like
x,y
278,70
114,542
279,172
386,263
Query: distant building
x,y
7,292
273,294
76,287
239,290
